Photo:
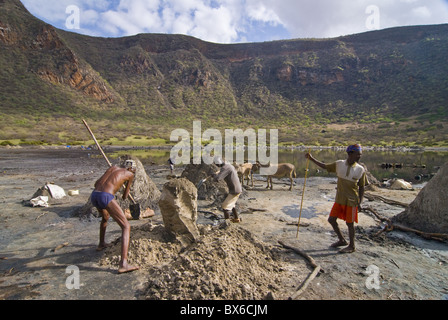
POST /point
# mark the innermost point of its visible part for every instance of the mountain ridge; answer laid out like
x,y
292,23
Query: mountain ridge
x,y
150,84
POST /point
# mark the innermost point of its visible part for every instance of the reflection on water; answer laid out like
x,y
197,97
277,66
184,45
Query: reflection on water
x,y
414,163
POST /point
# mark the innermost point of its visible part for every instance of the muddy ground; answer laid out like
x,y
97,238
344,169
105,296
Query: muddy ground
x,y
241,261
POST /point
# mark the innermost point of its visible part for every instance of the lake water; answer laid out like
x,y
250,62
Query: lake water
x,y
414,163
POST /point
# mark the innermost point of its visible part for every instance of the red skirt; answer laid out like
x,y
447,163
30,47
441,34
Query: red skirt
x,y
346,213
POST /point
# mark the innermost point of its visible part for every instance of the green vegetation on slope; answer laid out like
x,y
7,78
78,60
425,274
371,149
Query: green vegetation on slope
x,y
383,87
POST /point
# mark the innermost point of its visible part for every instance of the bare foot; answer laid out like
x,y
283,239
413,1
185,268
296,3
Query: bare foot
x,y
338,244
127,268
349,249
101,247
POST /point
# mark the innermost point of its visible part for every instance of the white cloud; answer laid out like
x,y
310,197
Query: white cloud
x,y
260,12
215,24
90,17
131,17
218,22
228,21
422,12
322,18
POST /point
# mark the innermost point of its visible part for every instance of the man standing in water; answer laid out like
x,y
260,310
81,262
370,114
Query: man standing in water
x,y
350,192
104,200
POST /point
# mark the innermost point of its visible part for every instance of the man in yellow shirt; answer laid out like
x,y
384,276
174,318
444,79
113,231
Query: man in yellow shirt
x,y
350,192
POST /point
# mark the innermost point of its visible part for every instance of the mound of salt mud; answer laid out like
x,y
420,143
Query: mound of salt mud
x,y
149,246
224,264
428,211
143,189
210,190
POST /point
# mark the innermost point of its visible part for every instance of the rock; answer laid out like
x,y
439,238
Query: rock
x,y
178,204
400,184
269,296
46,196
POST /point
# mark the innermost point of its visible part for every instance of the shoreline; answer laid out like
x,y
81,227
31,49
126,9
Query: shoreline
x,y
299,147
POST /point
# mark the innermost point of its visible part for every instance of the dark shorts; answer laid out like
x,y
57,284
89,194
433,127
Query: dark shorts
x,y
101,199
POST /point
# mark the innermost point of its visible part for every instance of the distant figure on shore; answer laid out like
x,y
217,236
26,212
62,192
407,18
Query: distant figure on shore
x,y
171,163
350,192
103,198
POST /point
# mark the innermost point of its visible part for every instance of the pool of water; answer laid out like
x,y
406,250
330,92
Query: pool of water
x,y
412,164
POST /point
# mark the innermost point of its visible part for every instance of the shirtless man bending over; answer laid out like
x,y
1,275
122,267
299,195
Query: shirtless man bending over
x,y
104,200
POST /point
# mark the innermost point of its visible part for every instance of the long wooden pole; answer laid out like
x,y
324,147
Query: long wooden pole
x,y
96,142
303,193
102,152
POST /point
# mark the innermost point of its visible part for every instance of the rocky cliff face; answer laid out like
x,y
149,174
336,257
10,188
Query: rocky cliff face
x,y
395,73
305,77
48,56
70,70
7,35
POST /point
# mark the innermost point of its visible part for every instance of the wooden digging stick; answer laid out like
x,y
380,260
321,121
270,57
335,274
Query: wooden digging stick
x,y
303,194
97,144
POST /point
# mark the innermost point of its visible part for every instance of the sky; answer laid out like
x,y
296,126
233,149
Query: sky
x,y
236,21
